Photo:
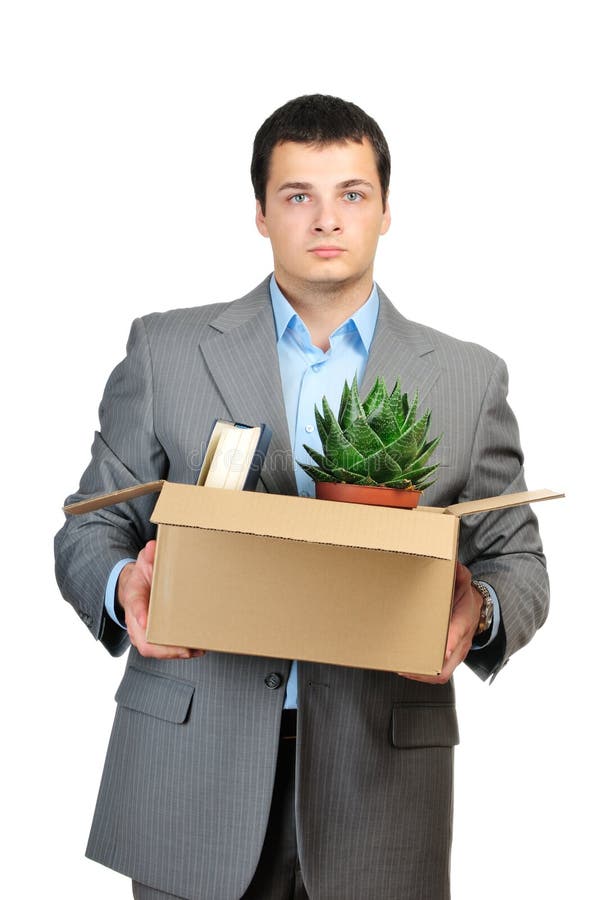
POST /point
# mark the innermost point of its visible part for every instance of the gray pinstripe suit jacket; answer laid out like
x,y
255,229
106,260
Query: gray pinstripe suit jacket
x,y
184,799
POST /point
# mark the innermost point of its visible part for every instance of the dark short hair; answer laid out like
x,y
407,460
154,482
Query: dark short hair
x,y
316,119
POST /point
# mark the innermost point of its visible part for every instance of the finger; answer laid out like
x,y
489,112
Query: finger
x,y
163,651
453,638
459,631
157,651
464,619
145,563
462,580
136,631
452,659
461,590
138,604
150,551
459,652
444,676
463,572
459,643
426,679
456,657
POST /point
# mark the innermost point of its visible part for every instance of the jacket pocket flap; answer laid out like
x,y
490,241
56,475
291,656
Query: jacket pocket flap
x,y
156,695
424,725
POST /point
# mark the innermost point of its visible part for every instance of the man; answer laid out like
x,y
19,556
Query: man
x,y
213,787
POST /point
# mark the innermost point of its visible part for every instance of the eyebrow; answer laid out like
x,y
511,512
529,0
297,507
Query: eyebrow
x,y
306,186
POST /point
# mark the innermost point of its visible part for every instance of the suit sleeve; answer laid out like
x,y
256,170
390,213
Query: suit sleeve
x,y
503,547
125,452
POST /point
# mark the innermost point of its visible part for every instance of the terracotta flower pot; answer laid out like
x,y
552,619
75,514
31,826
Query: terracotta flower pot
x,y
374,495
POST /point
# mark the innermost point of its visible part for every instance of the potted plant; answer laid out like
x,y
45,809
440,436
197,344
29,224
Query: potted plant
x,y
375,451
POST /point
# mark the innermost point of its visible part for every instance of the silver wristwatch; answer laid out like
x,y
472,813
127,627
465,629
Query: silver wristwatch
x,y
487,610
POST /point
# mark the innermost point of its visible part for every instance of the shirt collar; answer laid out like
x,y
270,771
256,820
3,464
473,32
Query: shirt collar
x,y
363,320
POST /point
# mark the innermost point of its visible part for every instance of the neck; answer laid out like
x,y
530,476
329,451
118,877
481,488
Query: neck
x,y
323,306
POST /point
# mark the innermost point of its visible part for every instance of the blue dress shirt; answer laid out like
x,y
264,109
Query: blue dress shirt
x,y
308,373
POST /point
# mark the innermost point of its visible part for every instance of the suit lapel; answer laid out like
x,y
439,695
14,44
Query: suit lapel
x,y
400,349
240,352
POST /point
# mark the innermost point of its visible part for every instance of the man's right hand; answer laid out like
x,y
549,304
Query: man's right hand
x,y
133,593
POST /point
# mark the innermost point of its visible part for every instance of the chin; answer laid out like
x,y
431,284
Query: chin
x,y
332,274
331,283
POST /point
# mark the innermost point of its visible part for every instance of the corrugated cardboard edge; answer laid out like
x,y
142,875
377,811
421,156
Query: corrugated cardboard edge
x,y
503,501
281,517
450,615
110,499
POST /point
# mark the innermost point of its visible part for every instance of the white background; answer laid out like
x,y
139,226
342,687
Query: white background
x,y
127,131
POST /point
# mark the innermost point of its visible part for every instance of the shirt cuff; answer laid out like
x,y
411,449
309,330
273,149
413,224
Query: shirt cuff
x,y
110,594
495,618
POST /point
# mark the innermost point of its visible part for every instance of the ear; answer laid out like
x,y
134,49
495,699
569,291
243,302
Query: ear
x,y
260,220
385,218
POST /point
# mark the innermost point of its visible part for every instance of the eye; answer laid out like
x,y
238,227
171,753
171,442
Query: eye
x,y
298,198
353,196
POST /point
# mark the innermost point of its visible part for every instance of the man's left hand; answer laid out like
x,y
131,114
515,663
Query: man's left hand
x,y
467,605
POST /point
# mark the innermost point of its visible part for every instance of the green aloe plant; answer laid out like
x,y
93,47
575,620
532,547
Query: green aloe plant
x,y
377,441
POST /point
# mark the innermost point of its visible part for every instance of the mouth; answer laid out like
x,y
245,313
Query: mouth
x,y
327,252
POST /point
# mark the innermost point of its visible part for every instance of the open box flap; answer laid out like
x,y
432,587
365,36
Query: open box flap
x,y
303,519
503,501
120,496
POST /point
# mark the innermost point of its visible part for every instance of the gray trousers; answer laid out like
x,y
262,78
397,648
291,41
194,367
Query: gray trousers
x,y
278,876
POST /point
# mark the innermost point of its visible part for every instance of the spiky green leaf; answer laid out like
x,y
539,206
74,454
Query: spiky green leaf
x,y
422,487
351,406
319,459
320,425
405,448
345,399
403,484
426,451
417,473
317,474
361,435
350,477
380,467
355,401
375,397
337,447
382,421
396,403
328,416
410,411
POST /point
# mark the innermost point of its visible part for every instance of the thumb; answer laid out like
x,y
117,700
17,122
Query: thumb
x,y
149,552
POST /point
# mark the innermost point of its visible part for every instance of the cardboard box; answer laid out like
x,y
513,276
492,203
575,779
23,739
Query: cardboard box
x,y
273,575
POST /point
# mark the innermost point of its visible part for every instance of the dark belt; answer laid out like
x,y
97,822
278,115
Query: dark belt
x,y
288,725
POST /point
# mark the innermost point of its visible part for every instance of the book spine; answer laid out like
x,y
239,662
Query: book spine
x,y
259,456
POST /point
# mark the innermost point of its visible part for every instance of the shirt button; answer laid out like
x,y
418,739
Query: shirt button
x,y
309,428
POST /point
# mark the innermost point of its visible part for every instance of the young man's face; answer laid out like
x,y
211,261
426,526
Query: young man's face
x,y
323,214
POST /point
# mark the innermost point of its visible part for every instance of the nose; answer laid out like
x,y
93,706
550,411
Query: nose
x,y
327,219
